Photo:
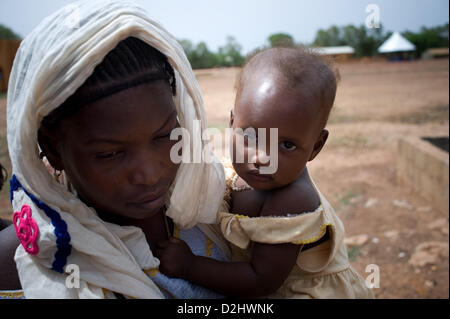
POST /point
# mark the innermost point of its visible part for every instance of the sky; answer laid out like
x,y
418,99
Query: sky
x,y
251,22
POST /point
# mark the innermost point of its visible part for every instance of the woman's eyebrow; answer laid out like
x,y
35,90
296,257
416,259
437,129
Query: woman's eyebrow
x,y
100,140
108,140
167,120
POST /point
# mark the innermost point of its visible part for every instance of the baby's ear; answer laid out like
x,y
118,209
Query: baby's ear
x,y
231,118
320,142
49,142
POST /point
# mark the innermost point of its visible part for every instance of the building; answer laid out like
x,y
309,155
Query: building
x,y
397,47
435,53
339,53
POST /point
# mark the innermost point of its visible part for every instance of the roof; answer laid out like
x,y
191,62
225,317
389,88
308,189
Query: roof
x,y
396,43
334,50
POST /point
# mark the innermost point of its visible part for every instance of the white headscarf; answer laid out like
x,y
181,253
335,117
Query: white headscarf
x,y
51,63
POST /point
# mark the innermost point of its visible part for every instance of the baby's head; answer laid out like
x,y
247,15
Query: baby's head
x,y
112,136
289,89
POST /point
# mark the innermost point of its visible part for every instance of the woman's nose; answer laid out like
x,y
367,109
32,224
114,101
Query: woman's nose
x,y
145,171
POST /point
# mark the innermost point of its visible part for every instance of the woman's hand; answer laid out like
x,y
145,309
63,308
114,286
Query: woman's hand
x,y
175,257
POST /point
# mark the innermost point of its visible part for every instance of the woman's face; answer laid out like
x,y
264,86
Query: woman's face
x,y
116,151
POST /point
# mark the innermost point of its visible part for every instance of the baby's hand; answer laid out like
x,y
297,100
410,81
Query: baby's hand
x,y
175,257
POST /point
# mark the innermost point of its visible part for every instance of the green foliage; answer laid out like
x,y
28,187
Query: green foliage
x,y
230,54
201,57
281,40
7,33
353,252
364,41
427,38
329,38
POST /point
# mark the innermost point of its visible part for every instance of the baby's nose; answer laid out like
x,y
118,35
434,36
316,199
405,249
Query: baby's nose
x,y
261,158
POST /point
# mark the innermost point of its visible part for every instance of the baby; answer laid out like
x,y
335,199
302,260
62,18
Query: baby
x,y
286,239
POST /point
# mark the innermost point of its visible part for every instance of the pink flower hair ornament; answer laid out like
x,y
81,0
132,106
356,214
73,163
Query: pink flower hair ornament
x,y
26,230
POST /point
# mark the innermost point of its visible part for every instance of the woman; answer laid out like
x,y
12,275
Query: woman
x,y
61,64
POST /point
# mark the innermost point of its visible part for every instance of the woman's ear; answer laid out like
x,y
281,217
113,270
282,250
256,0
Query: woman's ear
x,y
231,118
320,142
49,141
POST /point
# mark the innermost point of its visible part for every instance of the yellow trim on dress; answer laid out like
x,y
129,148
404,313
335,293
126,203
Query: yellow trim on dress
x,y
152,272
176,231
209,247
323,229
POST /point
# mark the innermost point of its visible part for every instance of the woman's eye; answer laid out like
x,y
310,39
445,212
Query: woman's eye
x,y
108,155
164,136
288,146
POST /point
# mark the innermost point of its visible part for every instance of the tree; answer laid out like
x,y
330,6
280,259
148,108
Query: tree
x,y
364,41
188,47
202,58
281,40
427,38
199,55
328,38
230,54
7,33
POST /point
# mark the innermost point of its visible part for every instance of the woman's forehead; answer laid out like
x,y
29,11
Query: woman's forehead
x,y
147,105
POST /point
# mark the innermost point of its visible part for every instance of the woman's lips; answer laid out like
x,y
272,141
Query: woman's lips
x,y
150,201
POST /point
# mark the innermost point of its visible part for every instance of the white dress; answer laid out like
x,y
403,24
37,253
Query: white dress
x,y
323,271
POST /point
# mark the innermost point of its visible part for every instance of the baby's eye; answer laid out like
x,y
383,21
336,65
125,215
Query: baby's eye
x,y
288,146
108,155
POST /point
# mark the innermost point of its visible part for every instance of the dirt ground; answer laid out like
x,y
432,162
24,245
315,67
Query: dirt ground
x,y
376,103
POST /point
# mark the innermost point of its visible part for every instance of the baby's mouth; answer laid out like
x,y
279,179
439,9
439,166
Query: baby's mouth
x,y
256,175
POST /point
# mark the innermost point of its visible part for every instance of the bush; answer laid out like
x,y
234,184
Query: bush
x,y
364,41
201,57
427,38
7,33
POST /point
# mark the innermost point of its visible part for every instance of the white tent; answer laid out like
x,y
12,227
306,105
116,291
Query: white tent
x,y
396,43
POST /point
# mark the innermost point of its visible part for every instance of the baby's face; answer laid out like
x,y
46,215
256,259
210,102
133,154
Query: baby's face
x,y
266,101
116,151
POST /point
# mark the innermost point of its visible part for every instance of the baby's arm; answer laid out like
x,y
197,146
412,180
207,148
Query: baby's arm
x,y
270,264
9,279
264,274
